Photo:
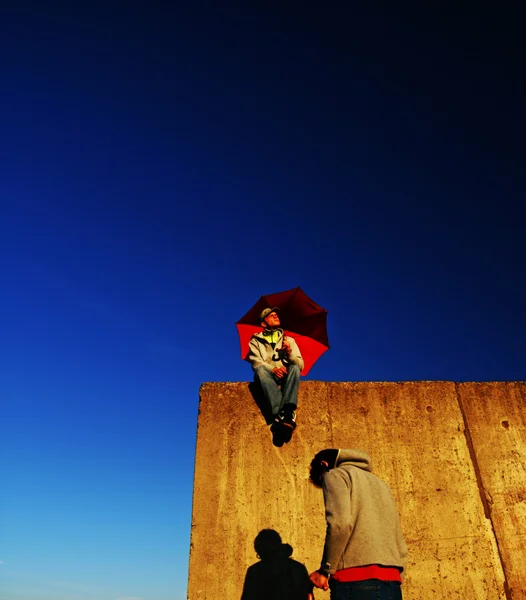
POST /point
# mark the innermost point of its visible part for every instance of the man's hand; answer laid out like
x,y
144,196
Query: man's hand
x,y
320,581
286,346
279,372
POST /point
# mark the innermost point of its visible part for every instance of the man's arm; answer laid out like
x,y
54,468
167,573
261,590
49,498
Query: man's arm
x,y
255,357
294,355
337,497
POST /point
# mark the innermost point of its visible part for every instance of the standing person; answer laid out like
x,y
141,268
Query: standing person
x,y
364,550
277,364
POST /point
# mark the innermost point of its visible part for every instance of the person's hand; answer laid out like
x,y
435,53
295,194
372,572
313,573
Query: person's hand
x,y
279,372
320,581
286,346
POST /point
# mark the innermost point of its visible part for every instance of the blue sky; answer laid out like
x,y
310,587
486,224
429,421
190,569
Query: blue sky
x,y
163,167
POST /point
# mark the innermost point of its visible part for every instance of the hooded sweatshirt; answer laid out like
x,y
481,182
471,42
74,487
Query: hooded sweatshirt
x,y
262,354
363,526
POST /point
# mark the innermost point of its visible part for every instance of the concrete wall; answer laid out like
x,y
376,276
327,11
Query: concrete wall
x,y
453,454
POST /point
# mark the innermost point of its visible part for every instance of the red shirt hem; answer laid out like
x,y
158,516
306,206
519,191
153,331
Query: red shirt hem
x,y
368,572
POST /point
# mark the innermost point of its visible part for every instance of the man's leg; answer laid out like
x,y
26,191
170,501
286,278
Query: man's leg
x,y
395,590
270,388
290,397
338,590
290,387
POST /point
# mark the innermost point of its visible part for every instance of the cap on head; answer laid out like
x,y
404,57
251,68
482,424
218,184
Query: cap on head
x,y
265,313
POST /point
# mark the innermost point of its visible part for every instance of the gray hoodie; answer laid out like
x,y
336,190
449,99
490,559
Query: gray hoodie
x,y
363,526
261,353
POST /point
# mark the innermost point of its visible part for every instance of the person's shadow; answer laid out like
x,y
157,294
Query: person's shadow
x,y
261,401
276,576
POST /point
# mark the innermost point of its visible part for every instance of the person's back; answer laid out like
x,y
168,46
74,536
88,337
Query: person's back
x,y
364,549
370,513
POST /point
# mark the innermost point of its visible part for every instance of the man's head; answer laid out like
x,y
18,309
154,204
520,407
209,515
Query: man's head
x,y
323,462
270,318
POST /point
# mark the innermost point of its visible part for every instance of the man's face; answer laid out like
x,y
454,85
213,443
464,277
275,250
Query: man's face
x,y
318,468
272,320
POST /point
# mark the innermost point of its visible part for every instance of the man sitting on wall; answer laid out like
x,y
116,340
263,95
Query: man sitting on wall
x,y
277,364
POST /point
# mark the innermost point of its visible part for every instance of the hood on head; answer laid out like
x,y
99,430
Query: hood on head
x,y
357,458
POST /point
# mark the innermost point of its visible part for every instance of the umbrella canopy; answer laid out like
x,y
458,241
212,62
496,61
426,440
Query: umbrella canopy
x,y
301,318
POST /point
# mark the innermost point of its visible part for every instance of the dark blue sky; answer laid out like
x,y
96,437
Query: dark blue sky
x,y
161,168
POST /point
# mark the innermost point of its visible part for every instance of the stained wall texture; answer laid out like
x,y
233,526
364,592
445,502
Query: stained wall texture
x,y
454,455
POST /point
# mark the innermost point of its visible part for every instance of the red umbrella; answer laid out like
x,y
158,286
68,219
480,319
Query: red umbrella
x,y
301,317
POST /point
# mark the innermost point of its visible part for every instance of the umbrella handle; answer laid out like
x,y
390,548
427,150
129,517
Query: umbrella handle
x,y
284,354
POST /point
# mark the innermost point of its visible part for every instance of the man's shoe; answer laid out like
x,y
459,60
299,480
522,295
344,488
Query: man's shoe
x,y
289,420
278,438
288,425
279,418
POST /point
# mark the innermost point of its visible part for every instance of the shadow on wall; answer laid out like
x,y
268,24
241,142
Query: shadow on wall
x,y
261,401
276,576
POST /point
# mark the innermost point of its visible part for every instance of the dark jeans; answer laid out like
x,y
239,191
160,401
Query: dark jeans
x,y
371,589
277,391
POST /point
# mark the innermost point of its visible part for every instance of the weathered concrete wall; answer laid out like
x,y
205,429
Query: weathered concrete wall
x,y
453,454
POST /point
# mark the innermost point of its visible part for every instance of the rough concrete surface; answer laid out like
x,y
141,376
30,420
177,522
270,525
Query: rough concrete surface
x,y
497,432
453,454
